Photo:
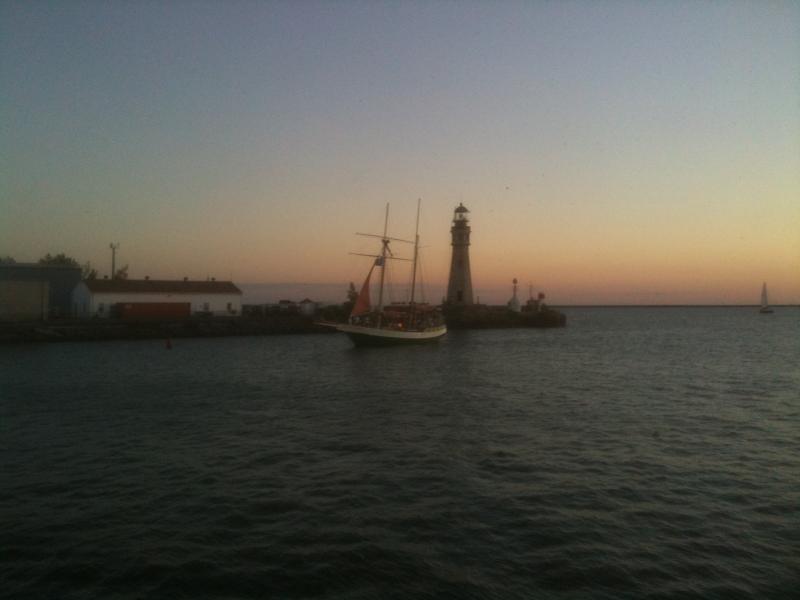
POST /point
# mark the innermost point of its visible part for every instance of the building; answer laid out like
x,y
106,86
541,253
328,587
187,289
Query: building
x,y
35,291
533,304
459,286
287,306
152,298
24,300
308,307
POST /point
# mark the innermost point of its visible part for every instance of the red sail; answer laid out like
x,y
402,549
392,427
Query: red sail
x,y
362,302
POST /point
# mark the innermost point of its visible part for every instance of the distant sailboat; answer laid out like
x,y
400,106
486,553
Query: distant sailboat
x,y
765,309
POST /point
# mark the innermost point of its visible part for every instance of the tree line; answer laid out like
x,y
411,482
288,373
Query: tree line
x,y
61,259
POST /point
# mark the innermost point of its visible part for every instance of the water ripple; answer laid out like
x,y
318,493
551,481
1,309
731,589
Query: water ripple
x,y
636,454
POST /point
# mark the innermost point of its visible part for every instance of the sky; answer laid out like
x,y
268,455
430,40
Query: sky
x,y
610,152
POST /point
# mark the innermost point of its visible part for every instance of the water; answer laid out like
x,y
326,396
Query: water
x,y
638,453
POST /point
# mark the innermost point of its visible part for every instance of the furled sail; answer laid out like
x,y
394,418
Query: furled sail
x,y
362,302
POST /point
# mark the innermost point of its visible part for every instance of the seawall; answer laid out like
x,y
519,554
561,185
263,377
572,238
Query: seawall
x,y
499,317
113,329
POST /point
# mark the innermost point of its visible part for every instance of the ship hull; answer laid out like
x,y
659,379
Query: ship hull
x,y
372,336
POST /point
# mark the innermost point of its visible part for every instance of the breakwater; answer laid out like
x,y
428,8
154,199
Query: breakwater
x,y
114,329
499,317
77,330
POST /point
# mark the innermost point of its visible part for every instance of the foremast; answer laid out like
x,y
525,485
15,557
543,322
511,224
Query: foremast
x,y
380,261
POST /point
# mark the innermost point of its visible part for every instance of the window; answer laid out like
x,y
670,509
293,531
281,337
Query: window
x,y
206,307
460,296
101,307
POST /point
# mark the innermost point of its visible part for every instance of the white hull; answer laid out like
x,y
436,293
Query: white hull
x,y
374,335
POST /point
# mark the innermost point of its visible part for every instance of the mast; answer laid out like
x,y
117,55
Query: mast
x,y
385,241
385,254
416,252
764,294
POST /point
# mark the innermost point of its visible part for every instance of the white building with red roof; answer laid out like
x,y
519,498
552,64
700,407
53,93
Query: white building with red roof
x,y
154,298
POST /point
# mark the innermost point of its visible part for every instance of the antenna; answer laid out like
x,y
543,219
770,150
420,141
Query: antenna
x,y
113,247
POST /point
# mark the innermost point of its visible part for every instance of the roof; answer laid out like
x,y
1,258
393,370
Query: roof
x,y
461,208
146,286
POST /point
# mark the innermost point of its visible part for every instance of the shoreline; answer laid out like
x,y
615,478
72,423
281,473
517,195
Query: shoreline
x,y
499,317
75,330
100,330
79,330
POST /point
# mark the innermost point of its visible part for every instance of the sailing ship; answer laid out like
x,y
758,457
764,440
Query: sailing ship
x,y
765,309
395,323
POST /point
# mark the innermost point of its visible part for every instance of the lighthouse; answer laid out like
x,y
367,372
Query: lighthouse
x,y
459,287
513,304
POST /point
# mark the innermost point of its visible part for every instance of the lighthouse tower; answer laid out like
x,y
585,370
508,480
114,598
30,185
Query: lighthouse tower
x,y
459,288
513,304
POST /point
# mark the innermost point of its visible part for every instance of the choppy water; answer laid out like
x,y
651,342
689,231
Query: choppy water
x,y
638,453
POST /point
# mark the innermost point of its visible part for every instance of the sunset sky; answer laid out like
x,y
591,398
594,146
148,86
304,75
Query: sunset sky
x,y
608,152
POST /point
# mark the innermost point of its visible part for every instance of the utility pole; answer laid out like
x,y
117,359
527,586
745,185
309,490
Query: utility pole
x,y
113,247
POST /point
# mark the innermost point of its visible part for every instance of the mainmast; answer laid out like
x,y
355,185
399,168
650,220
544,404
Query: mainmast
x,y
384,250
416,252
